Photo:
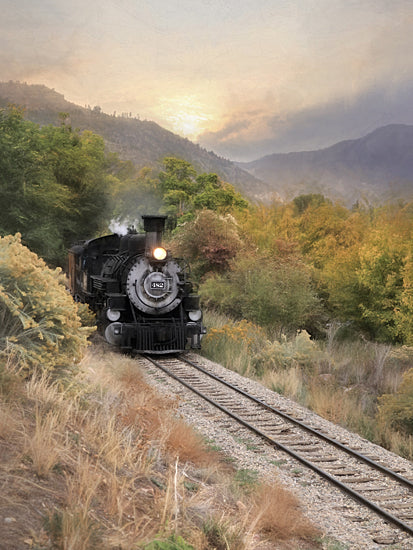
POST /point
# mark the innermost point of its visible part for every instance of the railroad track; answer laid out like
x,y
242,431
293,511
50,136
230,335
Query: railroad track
x,y
366,479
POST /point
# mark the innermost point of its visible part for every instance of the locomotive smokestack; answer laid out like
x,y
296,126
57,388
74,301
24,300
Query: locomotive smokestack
x,y
153,227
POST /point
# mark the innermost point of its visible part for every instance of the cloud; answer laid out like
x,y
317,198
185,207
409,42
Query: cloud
x,y
264,76
349,80
314,127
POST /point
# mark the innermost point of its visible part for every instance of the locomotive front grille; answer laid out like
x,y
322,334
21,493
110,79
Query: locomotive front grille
x,y
159,336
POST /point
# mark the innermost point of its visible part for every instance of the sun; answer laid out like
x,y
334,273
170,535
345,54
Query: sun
x,y
188,124
185,115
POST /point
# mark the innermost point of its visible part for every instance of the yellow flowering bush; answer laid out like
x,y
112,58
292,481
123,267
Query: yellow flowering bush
x,y
40,324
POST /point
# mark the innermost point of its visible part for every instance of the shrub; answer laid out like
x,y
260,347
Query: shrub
x,y
39,322
267,291
397,409
288,353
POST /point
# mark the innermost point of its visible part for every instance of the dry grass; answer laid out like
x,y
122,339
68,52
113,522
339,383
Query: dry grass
x,y
182,441
43,446
332,403
109,465
399,443
340,380
276,512
78,531
8,422
44,392
222,533
287,382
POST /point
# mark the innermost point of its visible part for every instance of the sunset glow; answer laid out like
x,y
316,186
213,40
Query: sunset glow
x,y
243,79
185,115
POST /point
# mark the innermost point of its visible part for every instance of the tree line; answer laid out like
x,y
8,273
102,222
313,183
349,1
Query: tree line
x,y
286,266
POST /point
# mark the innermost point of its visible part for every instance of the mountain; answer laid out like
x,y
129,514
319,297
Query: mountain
x,y
377,167
143,142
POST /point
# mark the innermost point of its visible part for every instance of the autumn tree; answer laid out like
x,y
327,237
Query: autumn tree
x,y
384,274
209,243
404,311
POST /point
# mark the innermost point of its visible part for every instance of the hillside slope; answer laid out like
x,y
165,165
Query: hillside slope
x,y
376,167
143,142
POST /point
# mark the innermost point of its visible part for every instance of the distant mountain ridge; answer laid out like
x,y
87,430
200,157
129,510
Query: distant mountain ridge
x,y
143,142
377,167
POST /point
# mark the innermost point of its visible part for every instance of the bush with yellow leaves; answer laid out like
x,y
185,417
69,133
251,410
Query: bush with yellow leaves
x,y
40,324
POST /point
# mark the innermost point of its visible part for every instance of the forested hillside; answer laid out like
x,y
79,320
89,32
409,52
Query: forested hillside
x,y
142,142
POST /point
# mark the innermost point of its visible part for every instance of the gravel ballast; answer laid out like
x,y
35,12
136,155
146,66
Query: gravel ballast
x,y
344,523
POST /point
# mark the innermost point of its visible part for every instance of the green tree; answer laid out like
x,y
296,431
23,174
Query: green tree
x,y
79,166
31,199
185,192
302,202
216,195
178,184
55,184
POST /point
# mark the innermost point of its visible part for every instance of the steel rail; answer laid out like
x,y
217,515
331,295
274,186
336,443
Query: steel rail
x,y
354,494
309,429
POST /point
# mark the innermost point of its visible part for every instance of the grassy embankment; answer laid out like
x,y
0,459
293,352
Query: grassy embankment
x,y
340,380
106,463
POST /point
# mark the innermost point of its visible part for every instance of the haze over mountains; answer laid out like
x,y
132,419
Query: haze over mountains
x,y
377,167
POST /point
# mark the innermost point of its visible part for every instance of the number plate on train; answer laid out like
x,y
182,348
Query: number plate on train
x,y
158,285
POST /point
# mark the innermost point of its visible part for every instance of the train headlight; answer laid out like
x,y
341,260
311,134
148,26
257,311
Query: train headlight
x,y
159,253
113,315
195,315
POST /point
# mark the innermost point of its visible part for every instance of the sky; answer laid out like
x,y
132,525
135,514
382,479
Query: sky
x,y
240,77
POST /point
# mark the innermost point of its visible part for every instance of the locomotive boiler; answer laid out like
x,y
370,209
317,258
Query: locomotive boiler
x,y
142,296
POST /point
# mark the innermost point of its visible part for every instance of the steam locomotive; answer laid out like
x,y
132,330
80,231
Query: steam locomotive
x,y
142,296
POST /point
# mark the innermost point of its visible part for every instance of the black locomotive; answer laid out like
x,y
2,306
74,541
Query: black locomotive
x,y
143,298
